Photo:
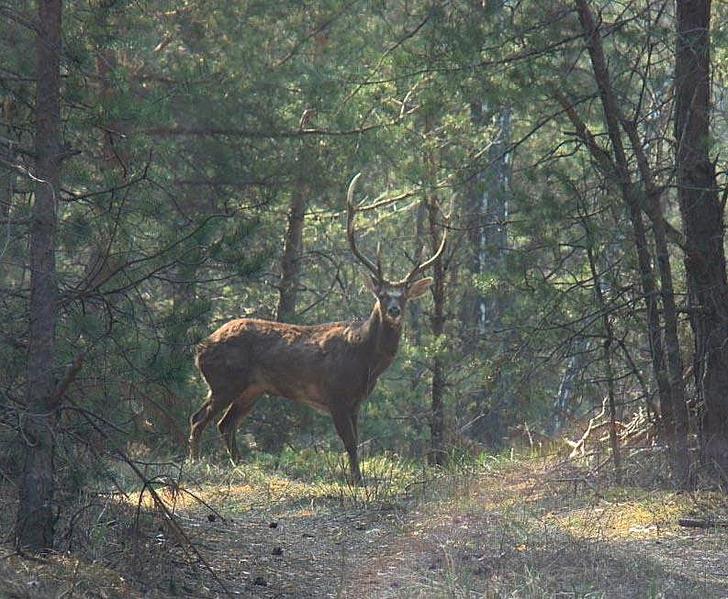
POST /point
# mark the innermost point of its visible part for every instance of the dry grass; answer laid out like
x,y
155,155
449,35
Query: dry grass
x,y
501,528
106,549
532,529
122,545
59,576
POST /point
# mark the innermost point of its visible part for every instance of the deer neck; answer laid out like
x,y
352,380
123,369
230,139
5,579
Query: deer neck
x,y
380,340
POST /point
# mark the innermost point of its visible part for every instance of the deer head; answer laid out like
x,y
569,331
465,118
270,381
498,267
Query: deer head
x,y
392,297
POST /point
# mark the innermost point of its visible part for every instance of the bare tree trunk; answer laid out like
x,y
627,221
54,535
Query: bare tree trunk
x,y
293,244
495,209
437,423
475,223
35,517
680,454
702,214
485,220
415,308
568,386
7,190
291,259
7,175
289,416
607,349
632,199
485,216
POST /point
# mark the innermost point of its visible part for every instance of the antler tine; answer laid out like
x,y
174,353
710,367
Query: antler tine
x,y
379,261
430,261
350,213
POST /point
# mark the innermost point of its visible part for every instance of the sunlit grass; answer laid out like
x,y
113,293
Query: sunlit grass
x,y
489,526
639,517
309,477
539,526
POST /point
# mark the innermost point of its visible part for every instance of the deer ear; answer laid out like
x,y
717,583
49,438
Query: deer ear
x,y
418,288
372,285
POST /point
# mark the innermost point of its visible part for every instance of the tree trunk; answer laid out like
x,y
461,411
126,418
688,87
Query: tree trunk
x,y
485,220
599,296
437,423
486,213
7,175
289,416
473,302
632,200
35,517
568,387
415,308
679,424
7,185
702,215
291,259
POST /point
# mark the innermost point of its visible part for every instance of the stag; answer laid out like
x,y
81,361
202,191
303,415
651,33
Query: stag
x,y
331,367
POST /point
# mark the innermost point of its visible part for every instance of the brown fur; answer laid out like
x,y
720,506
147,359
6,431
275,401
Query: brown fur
x,y
330,367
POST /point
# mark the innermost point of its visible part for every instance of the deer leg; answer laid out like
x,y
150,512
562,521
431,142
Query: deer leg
x,y
228,424
213,405
355,426
346,426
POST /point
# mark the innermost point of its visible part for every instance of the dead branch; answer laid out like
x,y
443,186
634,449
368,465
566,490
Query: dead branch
x,y
702,523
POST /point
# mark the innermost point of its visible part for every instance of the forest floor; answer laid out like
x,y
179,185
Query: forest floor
x,y
504,528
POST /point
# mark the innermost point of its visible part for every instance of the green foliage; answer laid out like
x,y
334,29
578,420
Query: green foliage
x,y
188,137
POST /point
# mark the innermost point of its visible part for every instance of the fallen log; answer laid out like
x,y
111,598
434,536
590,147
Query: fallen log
x,y
702,523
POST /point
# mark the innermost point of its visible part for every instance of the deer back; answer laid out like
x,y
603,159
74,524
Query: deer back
x,y
322,365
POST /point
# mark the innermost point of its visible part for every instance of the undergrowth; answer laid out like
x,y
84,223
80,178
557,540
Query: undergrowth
x,y
546,526
500,526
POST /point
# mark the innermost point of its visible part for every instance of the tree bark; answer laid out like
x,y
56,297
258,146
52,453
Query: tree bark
x,y
485,213
415,308
607,351
631,197
289,416
702,215
473,303
568,387
680,417
437,419
35,517
291,259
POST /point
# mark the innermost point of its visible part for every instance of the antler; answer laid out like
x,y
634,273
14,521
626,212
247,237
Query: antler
x,y
376,269
350,213
430,261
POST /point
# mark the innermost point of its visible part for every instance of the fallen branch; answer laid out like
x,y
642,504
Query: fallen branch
x,y
181,537
702,523
578,446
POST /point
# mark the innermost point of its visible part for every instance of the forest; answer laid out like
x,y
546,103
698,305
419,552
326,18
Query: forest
x,y
483,239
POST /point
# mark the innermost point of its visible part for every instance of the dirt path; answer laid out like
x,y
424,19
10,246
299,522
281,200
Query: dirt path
x,y
289,552
526,533
519,529
522,532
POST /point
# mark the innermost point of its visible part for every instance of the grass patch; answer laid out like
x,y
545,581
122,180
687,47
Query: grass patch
x,y
632,515
540,528
491,526
292,479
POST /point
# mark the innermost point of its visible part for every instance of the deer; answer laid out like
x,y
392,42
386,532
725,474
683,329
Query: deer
x,y
332,367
